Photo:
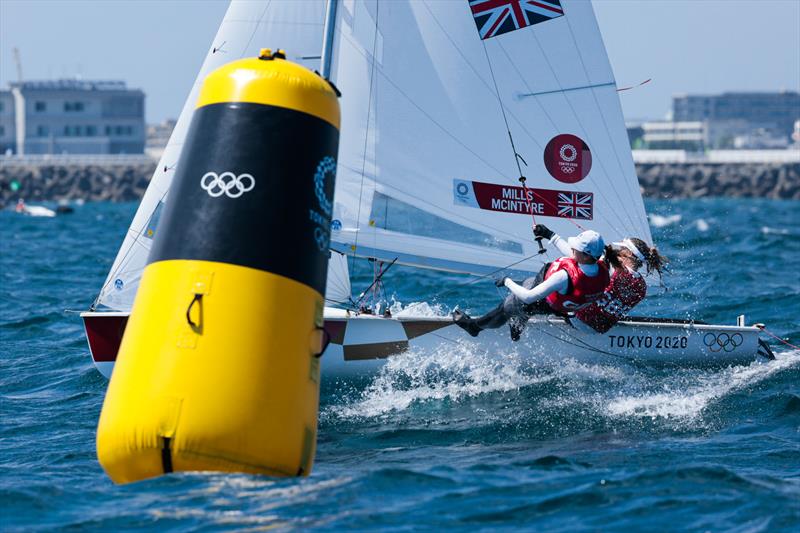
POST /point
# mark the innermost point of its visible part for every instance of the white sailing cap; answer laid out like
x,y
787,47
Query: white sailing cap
x,y
589,242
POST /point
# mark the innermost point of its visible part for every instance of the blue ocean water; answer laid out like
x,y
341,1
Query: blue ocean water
x,y
453,440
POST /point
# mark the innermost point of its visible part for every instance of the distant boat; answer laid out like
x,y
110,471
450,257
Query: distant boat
x,y
427,175
33,210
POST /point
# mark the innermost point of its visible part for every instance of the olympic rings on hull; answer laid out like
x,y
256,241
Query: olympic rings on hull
x,y
723,341
227,183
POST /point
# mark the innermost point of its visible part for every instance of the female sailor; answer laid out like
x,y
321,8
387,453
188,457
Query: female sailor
x,y
563,286
627,287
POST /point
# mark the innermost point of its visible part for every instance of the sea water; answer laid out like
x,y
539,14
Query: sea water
x,y
455,439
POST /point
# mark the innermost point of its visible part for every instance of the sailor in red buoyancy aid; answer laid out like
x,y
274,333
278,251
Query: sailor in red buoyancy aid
x,y
627,287
563,286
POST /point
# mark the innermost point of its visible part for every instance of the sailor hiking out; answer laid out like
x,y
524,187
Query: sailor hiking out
x,y
627,287
561,287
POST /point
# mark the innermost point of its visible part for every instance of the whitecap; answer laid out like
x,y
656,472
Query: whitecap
x,y
660,221
766,230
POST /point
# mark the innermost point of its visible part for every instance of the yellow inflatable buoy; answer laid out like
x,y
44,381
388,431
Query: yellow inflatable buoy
x,y
218,369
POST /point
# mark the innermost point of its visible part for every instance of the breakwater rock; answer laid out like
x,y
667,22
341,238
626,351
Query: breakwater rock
x,y
743,180
127,182
92,182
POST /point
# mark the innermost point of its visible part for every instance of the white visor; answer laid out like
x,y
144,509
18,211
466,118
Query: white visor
x,y
628,244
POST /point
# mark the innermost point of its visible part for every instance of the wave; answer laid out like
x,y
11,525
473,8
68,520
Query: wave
x,y
660,221
687,397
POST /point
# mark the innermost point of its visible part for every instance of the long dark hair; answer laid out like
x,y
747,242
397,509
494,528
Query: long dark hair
x,y
653,259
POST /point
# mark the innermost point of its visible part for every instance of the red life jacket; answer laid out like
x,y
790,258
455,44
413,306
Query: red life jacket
x,y
625,291
583,289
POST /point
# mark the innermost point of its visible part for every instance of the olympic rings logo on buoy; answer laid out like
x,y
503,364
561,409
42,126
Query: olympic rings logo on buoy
x,y
324,168
568,153
227,183
723,341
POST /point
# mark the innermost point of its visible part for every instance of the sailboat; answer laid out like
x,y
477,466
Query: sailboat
x,y
445,106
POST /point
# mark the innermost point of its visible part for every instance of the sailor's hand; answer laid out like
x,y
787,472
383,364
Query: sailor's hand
x,y
501,282
540,230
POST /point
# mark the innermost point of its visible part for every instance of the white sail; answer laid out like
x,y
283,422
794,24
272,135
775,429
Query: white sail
x,y
338,289
248,26
421,101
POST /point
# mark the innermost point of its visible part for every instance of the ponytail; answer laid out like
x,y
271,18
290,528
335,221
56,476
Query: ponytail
x,y
653,259
612,257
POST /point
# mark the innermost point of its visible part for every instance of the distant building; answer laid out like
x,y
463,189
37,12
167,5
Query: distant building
x,y
669,135
73,117
694,135
158,134
8,131
774,113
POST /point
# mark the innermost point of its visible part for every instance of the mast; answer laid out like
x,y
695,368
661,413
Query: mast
x,y
327,44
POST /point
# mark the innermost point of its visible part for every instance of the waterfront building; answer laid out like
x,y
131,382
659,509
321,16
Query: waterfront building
x,y
8,135
772,112
72,117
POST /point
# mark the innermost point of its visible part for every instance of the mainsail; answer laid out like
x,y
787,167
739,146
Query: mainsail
x,y
432,94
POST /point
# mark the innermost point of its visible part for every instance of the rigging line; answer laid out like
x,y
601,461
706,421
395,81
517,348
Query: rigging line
x,y
768,332
503,111
602,115
633,225
574,186
255,30
366,134
483,276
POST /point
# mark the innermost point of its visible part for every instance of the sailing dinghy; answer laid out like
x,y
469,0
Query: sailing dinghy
x,y
445,104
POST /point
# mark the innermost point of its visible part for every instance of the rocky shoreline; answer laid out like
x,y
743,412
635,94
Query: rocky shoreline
x,y
126,183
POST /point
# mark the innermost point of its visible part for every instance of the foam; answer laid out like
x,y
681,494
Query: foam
x,y
454,373
660,221
689,395
701,225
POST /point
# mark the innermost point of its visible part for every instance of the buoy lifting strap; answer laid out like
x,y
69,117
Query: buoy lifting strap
x,y
166,455
197,298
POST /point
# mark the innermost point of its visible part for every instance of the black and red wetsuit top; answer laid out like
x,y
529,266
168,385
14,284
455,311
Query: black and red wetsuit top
x,y
625,290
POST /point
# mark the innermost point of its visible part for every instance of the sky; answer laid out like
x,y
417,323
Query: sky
x,y
685,46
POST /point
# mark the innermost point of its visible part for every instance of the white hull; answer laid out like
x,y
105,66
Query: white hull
x,y
38,211
655,343
361,344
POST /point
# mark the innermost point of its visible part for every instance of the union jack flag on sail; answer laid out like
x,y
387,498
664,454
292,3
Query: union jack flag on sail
x,y
575,205
495,17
